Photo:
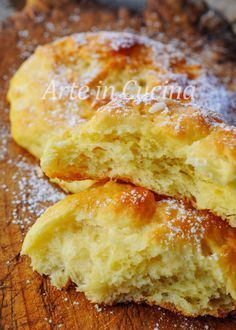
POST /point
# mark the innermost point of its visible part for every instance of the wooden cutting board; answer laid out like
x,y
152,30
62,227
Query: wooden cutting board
x,y
27,300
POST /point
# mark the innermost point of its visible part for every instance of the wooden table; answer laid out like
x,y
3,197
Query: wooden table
x,y
27,300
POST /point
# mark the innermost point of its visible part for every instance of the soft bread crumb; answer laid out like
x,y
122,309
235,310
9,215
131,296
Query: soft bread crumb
x,y
121,243
178,151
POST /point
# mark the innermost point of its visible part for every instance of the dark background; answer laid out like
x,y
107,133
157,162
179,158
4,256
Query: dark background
x,y
228,7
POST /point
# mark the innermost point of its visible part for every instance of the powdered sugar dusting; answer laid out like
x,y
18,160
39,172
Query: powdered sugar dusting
x,y
210,94
127,41
165,59
33,193
4,137
187,224
134,196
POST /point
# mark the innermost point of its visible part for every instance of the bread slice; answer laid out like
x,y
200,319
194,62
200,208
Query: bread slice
x,y
173,149
45,95
48,93
121,243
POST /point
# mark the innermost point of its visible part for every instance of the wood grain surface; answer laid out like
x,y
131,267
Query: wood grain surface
x,y
27,300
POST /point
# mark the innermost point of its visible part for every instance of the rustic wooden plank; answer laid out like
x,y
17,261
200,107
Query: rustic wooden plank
x,y
27,300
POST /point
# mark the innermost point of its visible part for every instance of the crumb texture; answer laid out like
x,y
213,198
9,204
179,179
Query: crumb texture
x,y
121,243
172,149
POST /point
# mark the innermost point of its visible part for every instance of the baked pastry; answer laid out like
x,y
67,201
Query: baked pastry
x,y
44,93
122,243
169,148
48,93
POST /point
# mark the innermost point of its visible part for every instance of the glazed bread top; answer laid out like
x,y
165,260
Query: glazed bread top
x,y
123,205
45,94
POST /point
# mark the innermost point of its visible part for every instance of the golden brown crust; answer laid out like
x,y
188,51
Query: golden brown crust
x,y
179,221
170,223
102,59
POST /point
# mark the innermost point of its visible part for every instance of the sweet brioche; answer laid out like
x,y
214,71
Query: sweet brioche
x,y
122,243
42,100
172,149
38,110
45,95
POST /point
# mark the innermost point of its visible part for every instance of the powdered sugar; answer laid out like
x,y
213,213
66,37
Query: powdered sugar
x,y
33,193
210,94
187,224
4,138
135,196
